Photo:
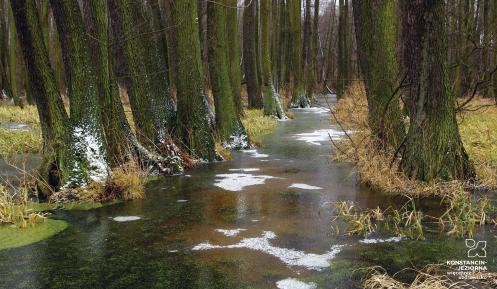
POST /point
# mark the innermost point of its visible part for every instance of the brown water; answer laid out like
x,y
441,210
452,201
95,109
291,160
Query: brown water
x,y
177,243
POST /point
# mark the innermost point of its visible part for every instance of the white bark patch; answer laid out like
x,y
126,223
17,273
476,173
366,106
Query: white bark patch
x,y
376,241
126,218
318,136
292,283
237,182
305,187
290,257
89,144
230,233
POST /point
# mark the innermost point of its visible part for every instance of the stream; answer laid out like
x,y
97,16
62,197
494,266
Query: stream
x,y
261,220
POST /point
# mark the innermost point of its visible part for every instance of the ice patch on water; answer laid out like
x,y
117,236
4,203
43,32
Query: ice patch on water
x,y
230,233
255,154
290,257
126,218
237,182
305,187
318,110
318,136
376,241
291,283
245,170
182,201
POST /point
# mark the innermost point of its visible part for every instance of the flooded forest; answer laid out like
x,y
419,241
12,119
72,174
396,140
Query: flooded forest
x,y
248,144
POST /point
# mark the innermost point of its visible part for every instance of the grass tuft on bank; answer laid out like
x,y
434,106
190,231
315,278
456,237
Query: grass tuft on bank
x,y
258,125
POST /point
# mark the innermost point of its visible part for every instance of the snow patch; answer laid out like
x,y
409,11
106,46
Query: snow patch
x,y
182,201
255,154
376,241
88,143
245,170
291,283
230,233
318,136
126,218
290,257
318,110
237,182
305,187
237,141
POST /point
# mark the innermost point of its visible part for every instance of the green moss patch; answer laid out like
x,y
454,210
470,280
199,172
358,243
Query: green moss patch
x,y
13,237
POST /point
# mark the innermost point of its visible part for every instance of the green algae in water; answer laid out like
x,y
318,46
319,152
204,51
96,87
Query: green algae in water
x,y
13,237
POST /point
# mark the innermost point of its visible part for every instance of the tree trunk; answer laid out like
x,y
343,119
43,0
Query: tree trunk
x,y
234,66
433,146
272,103
58,158
375,28
194,126
12,52
299,97
229,127
250,63
343,49
315,48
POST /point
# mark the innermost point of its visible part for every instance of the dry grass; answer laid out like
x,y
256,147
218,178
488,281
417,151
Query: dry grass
x,y
258,125
431,277
28,115
13,210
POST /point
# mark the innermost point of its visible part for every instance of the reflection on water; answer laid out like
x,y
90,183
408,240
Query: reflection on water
x,y
264,218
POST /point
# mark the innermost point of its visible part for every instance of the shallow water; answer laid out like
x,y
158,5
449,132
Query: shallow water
x,y
261,220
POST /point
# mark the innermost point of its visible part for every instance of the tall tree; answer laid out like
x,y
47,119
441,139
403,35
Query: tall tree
x,y
12,52
344,72
194,126
299,97
87,139
229,127
58,157
433,147
375,28
234,54
315,68
146,70
272,103
250,64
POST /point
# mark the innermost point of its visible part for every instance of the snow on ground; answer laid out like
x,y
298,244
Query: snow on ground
x,y
376,241
318,136
236,182
126,218
291,283
230,233
245,170
318,110
305,187
255,154
290,257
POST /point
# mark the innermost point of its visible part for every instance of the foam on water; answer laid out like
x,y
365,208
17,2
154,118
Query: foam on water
x,y
230,233
318,136
376,241
126,218
290,257
245,170
291,283
236,182
305,187
255,154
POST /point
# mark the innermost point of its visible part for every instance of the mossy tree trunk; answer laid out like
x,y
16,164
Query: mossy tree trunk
x,y
58,158
272,103
229,127
234,66
87,140
343,73
250,64
375,28
315,68
299,97
433,148
194,126
12,52
146,67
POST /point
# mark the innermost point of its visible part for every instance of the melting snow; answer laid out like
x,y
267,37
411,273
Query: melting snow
x,y
90,145
305,187
318,136
255,154
230,233
245,170
314,110
236,182
292,283
290,257
126,218
182,201
376,241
